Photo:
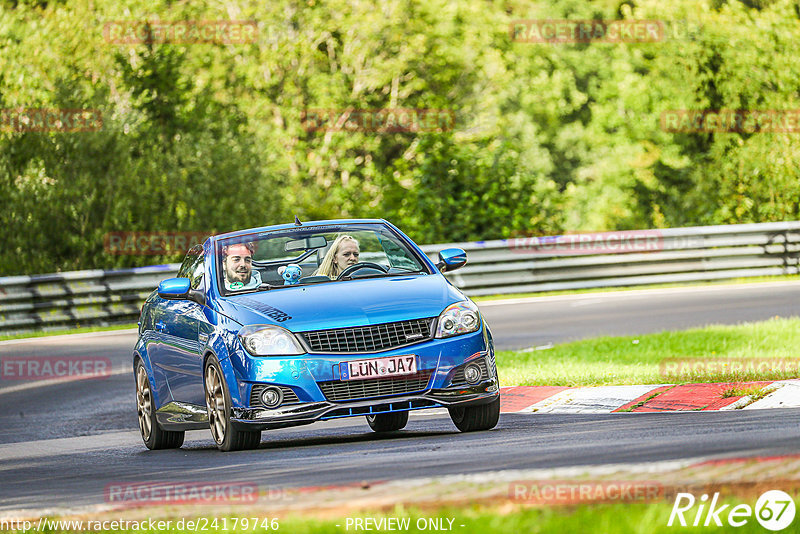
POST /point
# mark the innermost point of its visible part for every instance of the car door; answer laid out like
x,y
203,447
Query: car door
x,y
180,356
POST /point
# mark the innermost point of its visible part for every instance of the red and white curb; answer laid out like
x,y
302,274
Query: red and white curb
x,y
649,398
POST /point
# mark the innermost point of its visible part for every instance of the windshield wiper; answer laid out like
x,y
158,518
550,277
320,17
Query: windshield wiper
x,y
266,285
382,275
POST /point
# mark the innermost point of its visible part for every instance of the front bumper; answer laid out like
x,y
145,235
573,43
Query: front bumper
x,y
310,412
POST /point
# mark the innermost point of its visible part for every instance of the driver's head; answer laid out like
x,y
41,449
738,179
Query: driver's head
x,y
342,254
346,254
238,262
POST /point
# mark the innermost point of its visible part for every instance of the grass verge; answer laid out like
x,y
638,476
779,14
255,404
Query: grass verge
x,y
608,518
616,518
765,350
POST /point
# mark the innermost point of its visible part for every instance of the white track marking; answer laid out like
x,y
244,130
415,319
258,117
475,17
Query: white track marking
x,y
787,395
54,381
598,399
69,337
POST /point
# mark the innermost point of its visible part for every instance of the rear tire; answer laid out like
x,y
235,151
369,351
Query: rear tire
x,y
387,422
153,435
218,405
472,418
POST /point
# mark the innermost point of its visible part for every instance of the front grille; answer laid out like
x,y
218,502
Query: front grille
x,y
369,338
458,377
344,390
289,396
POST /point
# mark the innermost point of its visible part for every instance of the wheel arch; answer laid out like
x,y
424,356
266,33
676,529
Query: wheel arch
x,y
141,355
228,373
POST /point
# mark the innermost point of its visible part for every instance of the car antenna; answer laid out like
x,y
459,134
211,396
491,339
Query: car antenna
x,y
297,221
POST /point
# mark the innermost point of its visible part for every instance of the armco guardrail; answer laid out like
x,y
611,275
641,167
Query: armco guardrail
x,y
673,255
502,266
83,298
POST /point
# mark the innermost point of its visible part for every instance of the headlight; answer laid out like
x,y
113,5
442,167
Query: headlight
x,y
459,318
269,340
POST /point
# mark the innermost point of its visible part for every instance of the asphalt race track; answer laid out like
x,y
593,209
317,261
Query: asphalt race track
x,y
536,322
62,443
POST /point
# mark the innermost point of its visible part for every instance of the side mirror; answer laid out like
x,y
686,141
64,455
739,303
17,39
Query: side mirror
x,y
451,259
174,288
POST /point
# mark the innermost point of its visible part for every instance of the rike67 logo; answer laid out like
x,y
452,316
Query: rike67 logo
x,y
774,511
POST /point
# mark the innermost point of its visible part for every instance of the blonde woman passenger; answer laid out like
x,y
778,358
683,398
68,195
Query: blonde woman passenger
x,y
343,253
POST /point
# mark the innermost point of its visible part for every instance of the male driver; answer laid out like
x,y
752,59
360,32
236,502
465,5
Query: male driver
x,y
237,264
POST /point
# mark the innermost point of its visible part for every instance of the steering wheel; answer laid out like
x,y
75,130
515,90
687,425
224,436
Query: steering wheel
x,y
363,265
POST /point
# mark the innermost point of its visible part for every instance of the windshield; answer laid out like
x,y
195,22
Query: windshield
x,y
313,255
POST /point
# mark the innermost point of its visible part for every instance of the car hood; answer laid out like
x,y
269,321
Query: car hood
x,y
344,304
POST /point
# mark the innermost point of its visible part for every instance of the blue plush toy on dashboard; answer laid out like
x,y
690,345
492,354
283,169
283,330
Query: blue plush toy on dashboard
x,y
291,273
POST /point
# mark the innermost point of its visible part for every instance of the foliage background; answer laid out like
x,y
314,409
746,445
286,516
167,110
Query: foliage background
x,y
549,137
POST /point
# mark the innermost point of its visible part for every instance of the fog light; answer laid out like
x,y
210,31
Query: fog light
x,y
271,397
472,373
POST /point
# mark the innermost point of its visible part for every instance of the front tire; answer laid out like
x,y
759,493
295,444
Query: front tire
x,y
472,418
387,422
218,406
153,435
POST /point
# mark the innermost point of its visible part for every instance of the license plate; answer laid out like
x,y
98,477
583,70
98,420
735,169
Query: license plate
x,y
378,367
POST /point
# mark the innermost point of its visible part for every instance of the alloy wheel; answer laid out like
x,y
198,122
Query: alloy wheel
x,y
143,403
215,404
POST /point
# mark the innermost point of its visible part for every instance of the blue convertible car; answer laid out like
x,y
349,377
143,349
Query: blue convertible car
x,y
291,324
